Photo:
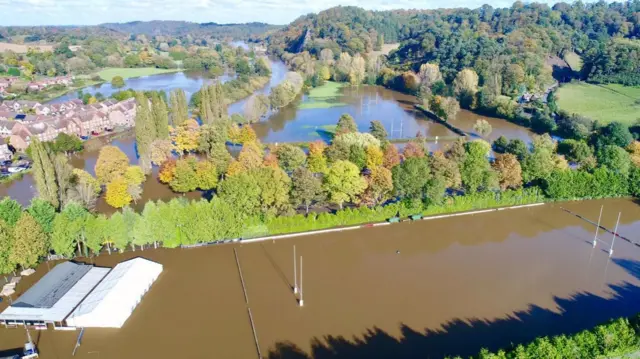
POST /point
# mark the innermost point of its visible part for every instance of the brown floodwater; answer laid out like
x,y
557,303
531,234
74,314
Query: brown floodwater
x,y
424,289
465,120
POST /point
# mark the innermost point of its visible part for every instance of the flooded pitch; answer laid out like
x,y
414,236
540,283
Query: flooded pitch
x,y
424,289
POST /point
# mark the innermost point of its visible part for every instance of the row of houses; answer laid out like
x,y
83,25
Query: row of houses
x,y
38,85
72,118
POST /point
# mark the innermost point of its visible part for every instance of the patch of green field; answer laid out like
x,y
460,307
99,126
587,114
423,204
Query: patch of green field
x,y
574,60
605,103
325,96
126,73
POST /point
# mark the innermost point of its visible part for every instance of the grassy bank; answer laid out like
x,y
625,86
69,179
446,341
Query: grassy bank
x,y
604,103
619,338
127,73
325,96
237,89
363,215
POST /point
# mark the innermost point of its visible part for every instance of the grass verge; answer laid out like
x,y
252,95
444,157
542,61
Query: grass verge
x,y
127,73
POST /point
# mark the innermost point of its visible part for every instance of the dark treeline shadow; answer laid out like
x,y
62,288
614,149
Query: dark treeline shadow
x,y
467,337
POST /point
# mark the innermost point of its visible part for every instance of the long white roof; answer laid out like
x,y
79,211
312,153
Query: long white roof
x,y
61,309
115,298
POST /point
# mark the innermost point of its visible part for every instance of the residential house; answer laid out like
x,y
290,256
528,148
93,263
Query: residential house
x,y
43,110
91,122
7,115
6,127
62,125
20,138
13,106
41,131
119,119
27,105
6,154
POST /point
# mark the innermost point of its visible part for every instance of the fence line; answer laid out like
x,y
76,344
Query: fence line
x,y
244,289
255,334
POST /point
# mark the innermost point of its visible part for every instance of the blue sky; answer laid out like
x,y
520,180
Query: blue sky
x,y
82,12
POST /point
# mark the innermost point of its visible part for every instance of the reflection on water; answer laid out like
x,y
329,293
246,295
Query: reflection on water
x,y
367,103
423,289
190,82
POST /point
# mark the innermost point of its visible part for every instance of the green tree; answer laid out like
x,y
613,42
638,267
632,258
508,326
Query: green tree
x,y
317,161
275,186
446,169
615,159
145,129
6,247
117,82
43,212
346,124
539,164
380,185
615,134
179,107
343,182
306,188
475,171
410,177
185,178
518,148
30,242
378,131
242,192
160,115
290,157
206,175
44,173
10,211
575,150
67,143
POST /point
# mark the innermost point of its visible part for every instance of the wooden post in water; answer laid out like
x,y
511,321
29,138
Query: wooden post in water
x,y
615,233
301,302
295,277
595,238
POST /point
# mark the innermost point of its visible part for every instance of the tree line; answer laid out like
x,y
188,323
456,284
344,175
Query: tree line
x,y
359,177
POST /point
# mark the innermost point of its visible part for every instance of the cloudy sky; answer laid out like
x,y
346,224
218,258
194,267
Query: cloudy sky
x,y
82,12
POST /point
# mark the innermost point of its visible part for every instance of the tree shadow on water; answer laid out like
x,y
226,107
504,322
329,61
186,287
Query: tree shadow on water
x,y
466,337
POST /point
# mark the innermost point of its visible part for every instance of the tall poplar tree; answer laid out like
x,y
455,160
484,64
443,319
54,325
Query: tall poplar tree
x,y
160,117
44,173
145,131
179,109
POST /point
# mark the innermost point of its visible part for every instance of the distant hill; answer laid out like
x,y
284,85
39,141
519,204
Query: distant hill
x,y
180,28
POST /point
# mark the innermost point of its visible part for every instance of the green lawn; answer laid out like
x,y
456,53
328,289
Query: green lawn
x,y
605,103
109,73
325,96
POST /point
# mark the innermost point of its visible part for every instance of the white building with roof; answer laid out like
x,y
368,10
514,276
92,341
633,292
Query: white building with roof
x,y
54,296
111,303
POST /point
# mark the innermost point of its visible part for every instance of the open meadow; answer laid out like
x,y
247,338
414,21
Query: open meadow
x,y
604,103
126,73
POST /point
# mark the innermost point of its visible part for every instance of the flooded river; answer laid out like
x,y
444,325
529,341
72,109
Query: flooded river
x,y
293,123
413,290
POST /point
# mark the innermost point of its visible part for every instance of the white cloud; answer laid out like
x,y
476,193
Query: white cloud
x,y
78,12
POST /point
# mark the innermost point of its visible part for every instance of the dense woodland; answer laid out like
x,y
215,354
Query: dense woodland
x,y
486,39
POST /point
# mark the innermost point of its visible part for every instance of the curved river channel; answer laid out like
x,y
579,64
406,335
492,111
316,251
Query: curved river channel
x,y
294,123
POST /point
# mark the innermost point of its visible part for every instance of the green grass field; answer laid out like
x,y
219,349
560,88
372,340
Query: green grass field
x,y
126,73
325,96
605,103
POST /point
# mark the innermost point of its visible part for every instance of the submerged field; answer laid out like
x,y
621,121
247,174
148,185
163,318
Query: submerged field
x,y
423,289
604,103
325,96
108,74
